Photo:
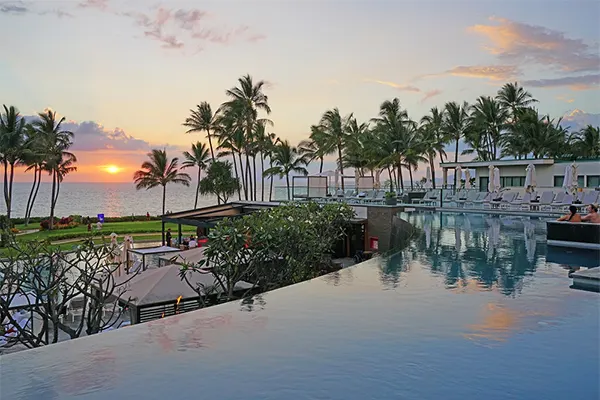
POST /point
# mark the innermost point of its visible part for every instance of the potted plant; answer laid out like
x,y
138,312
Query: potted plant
x,y
390,199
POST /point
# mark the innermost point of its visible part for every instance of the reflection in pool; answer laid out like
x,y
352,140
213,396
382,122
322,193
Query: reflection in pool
x,y
470,309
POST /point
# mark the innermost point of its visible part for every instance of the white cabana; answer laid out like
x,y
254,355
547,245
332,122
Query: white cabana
x,y
467,179
428,183
568,178
530,179
458,174
497,185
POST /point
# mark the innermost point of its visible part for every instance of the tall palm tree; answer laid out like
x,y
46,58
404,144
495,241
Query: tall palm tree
x,y
392,124
513,97
160,171
33,159
433,138
414,150
587,143
12,140
55,142
285,160
456,123
250,98
488,119
335,127
317,146
202,119
197,158
270,145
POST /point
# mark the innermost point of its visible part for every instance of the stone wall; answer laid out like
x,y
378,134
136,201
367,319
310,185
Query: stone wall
x,y
385,230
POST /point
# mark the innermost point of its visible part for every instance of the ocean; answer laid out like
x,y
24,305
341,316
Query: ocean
x,y
110,199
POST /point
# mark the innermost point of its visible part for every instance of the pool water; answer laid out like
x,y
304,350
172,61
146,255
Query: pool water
x,y
470,309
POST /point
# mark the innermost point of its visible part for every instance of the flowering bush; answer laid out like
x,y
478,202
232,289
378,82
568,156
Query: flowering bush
x,y
63,223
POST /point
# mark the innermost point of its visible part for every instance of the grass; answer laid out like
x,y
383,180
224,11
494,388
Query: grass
x,y
107,229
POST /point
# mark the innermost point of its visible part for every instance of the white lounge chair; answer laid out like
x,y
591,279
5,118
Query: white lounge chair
x,y
471,195
566,202
504,200
521,202
558,199
484,200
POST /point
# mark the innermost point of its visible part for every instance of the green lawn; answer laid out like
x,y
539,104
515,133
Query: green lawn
x,y
119,228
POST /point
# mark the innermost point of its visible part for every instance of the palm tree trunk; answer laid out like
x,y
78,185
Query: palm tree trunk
x,y
6,196
456,158
242,176
37,188
287,182
271,184
164,200
248,176
400,177
321,165
10,190
237,177
432,170
30,195
197,188
341,163
52,204
254,168
262,177
212,152
412,187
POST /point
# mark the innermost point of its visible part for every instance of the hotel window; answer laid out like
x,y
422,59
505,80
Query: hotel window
x,y
512,181
483,183
559,179
593,181
581,181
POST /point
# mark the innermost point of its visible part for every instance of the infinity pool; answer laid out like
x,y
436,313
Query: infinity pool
x,y
471,309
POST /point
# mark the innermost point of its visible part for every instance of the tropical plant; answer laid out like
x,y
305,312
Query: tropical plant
x,y
286,160
58,161
12,139
317,146
514,98
160,171
197,158
335,128
587,142
219,181
456,124
202,119
33,159
433,139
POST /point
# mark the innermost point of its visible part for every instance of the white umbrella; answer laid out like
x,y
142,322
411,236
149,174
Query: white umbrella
x,y
458,174
428,184
491,179
530,180
497,186
127,244
567,180
574,180
467,179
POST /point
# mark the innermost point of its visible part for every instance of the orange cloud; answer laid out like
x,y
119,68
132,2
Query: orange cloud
x,y
493,72
403,88
565,99
432,93
520,43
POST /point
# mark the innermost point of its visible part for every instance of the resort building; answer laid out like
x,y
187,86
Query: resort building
x,y
549,172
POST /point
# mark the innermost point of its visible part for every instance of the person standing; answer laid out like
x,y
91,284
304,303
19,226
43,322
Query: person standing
x,y
169,236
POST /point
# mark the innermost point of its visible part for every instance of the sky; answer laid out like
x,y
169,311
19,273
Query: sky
x,y
125,74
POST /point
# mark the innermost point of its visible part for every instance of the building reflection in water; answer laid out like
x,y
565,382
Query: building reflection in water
x,y
495,252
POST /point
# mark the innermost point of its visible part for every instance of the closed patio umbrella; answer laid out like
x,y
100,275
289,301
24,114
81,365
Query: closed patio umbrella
x,y
574,180
458,173
497,185
567,180
530,179
467,179
491,179
428,183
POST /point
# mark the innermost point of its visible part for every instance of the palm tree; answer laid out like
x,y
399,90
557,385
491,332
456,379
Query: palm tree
x,y
270,145
587,143
160,171
513,98
488,119
250,99
317,146
198,158
414,150
202,119
433,139
335,127
456,123
286,159
12,140
55,143
392,124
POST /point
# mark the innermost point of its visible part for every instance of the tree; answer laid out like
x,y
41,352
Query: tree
x,y
433,139
12,139
249,98
160,171
587,143
202,119
488,120
335,127
317,146
456,123
198,158
514,98
55,145
285,160
33,159
219,181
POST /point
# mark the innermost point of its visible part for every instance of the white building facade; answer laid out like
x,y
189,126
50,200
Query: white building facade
x,y
549,172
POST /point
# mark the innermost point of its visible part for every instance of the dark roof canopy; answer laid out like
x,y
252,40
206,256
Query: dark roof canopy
x,y
208,217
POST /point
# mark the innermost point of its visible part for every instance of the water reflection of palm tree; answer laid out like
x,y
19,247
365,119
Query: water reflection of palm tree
x,y
428,221
493,233
530,242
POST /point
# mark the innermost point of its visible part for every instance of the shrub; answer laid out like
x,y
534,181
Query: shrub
x,y
14,230
45,224
65,221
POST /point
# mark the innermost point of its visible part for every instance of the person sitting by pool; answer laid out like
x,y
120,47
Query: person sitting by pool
x,y
592,215
572,216
193,242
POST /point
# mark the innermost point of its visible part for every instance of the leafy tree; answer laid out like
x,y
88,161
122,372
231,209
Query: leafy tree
x,y
202,119
335,127
285,160
198,158
12,140
219,181
433,138
587,142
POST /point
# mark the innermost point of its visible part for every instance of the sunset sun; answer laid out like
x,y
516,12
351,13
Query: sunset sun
x,y
112,169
